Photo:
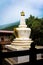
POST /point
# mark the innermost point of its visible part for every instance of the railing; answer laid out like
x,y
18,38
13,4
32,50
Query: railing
x,y
32,53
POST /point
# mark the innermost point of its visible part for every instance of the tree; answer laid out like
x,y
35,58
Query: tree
x,y
36,25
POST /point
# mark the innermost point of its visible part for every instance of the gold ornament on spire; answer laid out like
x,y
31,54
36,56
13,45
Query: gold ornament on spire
x,y
22,13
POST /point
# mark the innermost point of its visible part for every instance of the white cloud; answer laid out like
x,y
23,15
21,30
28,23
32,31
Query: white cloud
x,y
10,12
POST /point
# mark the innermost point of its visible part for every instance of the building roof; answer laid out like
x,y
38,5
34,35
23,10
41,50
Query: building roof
x,y
6,31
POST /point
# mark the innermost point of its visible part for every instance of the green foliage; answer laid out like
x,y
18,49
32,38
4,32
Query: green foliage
x,y
36,25
11,27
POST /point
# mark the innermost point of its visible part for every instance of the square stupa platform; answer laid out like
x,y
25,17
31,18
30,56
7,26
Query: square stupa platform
x,y
20,59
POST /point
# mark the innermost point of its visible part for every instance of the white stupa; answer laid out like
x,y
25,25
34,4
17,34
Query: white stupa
x,y
22,40
22,34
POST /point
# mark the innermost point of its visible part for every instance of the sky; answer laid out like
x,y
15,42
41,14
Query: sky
x,y
10,10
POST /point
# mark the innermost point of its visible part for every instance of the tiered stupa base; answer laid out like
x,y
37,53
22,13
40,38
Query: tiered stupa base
x,y
22,42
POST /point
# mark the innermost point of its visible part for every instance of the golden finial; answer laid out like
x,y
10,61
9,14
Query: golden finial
x,y
22,13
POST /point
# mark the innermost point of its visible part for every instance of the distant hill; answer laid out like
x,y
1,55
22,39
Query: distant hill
x,y
9,26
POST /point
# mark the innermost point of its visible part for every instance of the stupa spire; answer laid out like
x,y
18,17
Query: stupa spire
x,y
22,20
